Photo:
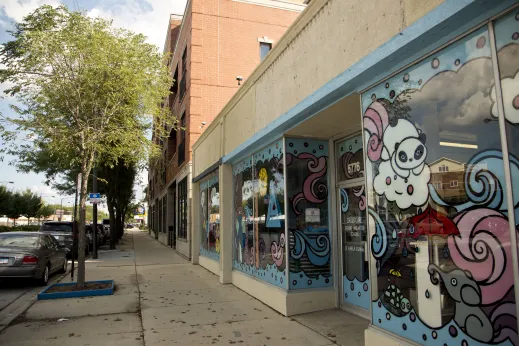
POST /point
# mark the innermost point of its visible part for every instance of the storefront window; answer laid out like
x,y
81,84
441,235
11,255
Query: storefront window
x,y
308,228
210,217
243,225
507,45
260,215
437,211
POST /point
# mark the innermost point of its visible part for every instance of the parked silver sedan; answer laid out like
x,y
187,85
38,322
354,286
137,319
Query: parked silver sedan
x,y
31,255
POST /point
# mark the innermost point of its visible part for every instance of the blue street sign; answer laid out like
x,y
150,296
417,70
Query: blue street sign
x,y
95,195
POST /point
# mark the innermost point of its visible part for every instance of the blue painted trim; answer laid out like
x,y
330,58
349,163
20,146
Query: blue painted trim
x,y
87,293
445,22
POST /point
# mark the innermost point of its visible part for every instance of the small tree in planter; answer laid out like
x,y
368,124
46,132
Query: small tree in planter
x,y
88,90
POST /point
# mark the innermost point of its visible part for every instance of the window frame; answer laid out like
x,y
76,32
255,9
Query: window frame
x,y
264,44
182,210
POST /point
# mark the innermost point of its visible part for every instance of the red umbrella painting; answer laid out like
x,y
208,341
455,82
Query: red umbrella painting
x,y
429,229
431,223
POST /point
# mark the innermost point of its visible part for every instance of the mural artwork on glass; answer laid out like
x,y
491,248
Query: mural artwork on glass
x,y
355,265
269,214
260,216
307,191
243,225
436,193
210,218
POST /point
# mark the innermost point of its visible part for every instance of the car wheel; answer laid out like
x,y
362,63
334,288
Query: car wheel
x,y
44,280
64,266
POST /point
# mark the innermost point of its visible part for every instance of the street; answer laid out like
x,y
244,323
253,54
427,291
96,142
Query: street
x,y
10,291
15,294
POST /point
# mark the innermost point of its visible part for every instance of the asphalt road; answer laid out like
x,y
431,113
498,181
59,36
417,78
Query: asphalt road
x,y
12,290
14,293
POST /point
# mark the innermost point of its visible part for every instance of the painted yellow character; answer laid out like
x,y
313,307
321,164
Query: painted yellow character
x,y
263,181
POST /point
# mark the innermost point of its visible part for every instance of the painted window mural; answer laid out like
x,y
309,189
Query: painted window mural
x,y
437,210
350,159
210,217
355,264
259,236
308,229
355,261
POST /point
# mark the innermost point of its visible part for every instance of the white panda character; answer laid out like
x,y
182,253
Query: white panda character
x,y
404,146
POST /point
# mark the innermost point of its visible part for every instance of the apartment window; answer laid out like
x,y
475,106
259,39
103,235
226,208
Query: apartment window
x,y
443,168
182,145
184,61
174,89
174,86
182,209
454,183
184,74
164,214
182,126
172,144
265,48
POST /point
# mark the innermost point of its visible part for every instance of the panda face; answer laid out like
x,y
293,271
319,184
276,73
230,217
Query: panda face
x,y
410,153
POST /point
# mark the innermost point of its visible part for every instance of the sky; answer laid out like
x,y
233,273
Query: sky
x,y
149,17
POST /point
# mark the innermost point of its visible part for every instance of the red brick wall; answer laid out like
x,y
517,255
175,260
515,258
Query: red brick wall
x,y
221,37
225,45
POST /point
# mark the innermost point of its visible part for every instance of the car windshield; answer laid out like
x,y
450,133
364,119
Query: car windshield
x,y
106,222
17,240
56,227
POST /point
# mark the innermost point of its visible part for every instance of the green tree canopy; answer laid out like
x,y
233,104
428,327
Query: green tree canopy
x,y
45,211
87,90
31,204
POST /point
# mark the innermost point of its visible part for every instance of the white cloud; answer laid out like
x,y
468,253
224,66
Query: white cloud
x,y
150,18
405,192
18,9
510,90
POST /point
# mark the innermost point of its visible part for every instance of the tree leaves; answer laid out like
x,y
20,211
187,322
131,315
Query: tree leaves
x,y
89,92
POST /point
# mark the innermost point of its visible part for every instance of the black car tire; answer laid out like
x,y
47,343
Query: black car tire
x,y
64,267
44,280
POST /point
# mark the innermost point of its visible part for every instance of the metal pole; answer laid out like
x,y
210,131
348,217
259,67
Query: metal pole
x,y
94,212
75,230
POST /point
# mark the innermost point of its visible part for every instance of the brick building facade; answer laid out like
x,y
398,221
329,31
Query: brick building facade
x,y
214,46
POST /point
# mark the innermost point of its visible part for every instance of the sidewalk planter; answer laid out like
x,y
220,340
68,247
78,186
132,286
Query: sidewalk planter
x,y
43,295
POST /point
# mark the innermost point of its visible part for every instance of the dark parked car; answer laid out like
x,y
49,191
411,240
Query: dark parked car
x,y
100,235
63,232
31,255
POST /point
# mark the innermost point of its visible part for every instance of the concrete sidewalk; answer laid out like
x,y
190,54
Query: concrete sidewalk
x,y
162,299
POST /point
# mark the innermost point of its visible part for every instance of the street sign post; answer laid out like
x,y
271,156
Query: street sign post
x,y
95,198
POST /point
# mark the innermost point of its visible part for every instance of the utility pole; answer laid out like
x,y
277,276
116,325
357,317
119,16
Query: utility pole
x,y
94,207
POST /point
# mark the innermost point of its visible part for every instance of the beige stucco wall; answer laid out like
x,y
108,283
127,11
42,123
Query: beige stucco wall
x,y
327,38
211,151
239,123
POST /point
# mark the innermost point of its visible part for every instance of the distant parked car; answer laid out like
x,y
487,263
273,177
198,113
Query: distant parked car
x,y
31,255
101,230
129,226
106,226
63,232
100,236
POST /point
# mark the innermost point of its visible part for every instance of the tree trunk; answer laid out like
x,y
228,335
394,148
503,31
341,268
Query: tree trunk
x,y
118,224
86,167
111,212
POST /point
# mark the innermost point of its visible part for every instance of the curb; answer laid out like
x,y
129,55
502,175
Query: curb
x,y
30,297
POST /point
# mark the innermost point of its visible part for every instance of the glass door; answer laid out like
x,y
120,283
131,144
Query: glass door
x,y
355,265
